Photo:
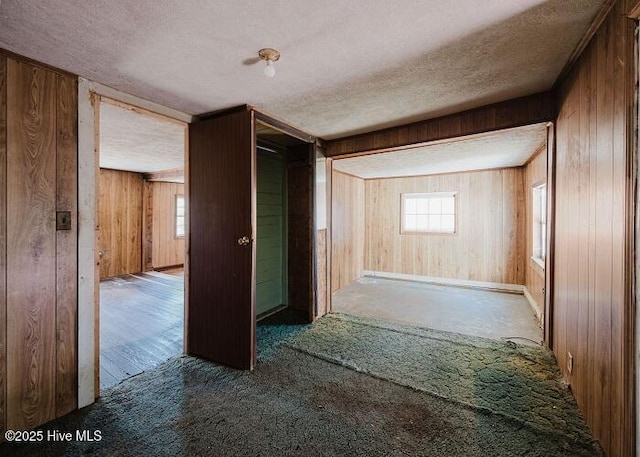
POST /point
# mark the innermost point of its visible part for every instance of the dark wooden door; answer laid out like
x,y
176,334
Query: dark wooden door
x,y
222,216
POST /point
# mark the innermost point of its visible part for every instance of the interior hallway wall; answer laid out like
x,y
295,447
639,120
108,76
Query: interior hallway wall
x,y
535,173
348,229
120,222
593,310
167,248
38,293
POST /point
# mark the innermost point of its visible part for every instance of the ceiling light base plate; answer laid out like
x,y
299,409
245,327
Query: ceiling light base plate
x,y
269,54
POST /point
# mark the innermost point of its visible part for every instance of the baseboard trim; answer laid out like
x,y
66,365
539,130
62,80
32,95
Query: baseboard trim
x,y
496,286
534,305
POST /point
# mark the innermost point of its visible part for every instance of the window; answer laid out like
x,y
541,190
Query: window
x,y
540,223
429,213
179,216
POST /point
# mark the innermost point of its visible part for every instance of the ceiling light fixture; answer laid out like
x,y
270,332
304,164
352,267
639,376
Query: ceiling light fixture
x,y
270,56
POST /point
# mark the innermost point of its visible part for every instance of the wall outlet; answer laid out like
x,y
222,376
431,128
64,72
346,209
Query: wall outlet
x,y
569,362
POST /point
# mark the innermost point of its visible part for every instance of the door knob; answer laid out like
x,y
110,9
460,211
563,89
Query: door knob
x,y
244,241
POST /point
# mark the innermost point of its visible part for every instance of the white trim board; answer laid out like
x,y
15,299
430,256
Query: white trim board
x,y
88,224
498,286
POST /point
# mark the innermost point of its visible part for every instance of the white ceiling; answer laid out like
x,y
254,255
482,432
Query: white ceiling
x,y
135,142
346,67
501,149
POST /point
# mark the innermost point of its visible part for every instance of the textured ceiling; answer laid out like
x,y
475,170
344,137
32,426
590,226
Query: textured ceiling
x,y
502,149
136,142
346,67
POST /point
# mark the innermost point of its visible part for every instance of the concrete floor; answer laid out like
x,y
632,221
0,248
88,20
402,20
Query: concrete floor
x,y
477,312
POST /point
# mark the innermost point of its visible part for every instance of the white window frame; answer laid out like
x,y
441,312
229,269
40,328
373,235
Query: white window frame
x,y
428,195
177,217
539,223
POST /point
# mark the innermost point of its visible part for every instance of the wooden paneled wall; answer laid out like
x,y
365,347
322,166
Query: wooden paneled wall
x,y
3,244
531,109
535,173
38,297
167,250
592,316
120,222
321,271
301,226
348,229
489,243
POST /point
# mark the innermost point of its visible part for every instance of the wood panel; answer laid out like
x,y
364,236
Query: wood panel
x,y
321,239
3,244
512,113
535,173
147,226
31,246
348,229
301,227
489,242
168,250
66,245
120,221
592,316
222,168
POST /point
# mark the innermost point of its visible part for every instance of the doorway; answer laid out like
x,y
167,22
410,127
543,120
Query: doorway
x,y
450,236
141,239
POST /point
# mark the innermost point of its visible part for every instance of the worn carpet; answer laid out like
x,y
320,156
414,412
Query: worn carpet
x,y
344,386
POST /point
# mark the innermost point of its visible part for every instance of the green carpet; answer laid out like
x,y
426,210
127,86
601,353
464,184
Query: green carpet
x,y
520,382
298,404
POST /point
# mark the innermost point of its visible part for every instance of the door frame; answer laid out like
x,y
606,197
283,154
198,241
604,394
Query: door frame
x,y
89,95
314,143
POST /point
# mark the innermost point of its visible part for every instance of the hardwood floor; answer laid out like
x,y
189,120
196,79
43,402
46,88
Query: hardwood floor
x,y
141,323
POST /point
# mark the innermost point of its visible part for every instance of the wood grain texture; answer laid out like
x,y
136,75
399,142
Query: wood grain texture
x,y
512,113
221,317
147,226
167,249
490,235
535,173
120,221
67,245
348,229
321,240
592,306
329,236
3,244
31,246
301,227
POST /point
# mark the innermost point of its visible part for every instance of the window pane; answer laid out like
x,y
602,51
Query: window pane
x,y
435,205
448,223
179,225
448,205
410,206
435,223
410,222
426,212
422,206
